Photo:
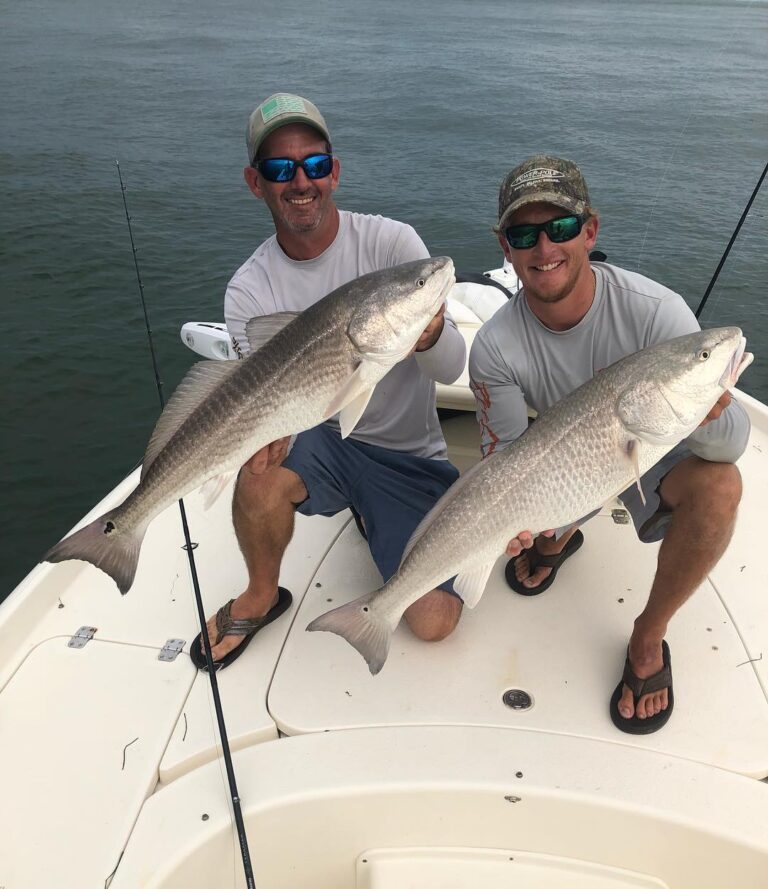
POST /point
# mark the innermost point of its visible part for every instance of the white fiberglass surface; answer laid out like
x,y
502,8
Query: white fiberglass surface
x,y
81,733
565,648
314,805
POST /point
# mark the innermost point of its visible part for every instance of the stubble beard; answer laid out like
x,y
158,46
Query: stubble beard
x,y
299,226
549,297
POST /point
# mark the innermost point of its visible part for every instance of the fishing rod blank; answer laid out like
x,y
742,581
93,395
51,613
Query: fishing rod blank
x,y
731,242
189,547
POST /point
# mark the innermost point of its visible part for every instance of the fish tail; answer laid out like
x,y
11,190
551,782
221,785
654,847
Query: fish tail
x,y
362,627
107,544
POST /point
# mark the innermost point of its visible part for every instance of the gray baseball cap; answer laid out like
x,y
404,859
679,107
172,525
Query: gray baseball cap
x,y
277,111
542,179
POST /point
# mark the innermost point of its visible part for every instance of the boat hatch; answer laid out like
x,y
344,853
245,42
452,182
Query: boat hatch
x,y
244,686
82,731
563,651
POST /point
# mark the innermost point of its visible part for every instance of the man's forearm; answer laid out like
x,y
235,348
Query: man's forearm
x,y
444,362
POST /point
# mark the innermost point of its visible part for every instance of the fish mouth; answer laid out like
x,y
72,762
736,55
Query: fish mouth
x,y
738,363
444,291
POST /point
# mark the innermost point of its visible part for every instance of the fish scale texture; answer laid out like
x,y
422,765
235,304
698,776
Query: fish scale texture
x,y
288,384
330,356
292,393
572,460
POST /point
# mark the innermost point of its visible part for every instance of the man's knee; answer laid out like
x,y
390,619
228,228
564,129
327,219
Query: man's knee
x,y
730,486
434,616
718,488
268,490
714,487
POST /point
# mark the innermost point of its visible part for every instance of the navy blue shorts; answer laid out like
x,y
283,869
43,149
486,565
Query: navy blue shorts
x,y
392,491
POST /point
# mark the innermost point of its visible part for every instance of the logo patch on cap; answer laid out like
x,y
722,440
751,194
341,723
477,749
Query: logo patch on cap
x,y
282,105
533,177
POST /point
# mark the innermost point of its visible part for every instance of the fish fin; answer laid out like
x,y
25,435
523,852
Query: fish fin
x,y
262,328
358,384
351,413
214,487
106,545
633,452
651,427
442,503
359,624
470,584
201,379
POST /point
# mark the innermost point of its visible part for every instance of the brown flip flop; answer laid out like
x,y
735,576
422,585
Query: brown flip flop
x,y
226,625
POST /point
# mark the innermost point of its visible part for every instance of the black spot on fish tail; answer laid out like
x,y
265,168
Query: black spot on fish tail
x,y
107,545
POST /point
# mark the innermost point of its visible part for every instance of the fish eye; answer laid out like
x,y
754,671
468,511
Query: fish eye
x,y
421,282
703,355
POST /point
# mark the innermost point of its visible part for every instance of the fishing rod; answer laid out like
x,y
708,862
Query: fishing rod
x,y
731,242
190,547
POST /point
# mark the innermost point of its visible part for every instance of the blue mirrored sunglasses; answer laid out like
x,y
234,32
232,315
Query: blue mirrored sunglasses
x,y
523,237
283,169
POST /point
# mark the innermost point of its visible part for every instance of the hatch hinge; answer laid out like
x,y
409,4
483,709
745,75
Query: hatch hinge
x,y
620,516
171,649
82,637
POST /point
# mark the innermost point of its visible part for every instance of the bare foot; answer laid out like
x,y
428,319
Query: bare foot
x,y
646,659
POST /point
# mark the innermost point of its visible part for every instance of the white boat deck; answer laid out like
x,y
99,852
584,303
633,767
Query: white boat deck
x,y
94,731
453,808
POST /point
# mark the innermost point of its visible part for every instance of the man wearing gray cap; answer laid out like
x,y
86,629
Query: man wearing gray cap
x,y
393,467
570,318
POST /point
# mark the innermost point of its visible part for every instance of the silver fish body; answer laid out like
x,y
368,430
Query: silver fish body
x,y
577,455
326,360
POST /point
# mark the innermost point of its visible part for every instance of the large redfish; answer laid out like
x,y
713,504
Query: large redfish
x,y
579,454
303,369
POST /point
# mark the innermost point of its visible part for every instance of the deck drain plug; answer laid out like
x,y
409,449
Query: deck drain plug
x,y
517,699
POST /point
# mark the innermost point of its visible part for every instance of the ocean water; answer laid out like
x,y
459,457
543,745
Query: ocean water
x,y
429,104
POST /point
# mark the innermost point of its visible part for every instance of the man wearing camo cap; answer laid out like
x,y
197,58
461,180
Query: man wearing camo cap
x,y
393,467
570,317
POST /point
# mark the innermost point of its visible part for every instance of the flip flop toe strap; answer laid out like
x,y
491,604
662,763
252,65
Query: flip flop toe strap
x,y
226,625
640,687
540,561
536,559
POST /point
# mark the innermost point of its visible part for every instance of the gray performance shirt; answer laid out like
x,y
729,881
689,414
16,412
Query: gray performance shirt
x,y
516,359
401,414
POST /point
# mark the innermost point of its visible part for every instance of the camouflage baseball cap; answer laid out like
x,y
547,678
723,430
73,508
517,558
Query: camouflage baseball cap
x,y
542,179
277,111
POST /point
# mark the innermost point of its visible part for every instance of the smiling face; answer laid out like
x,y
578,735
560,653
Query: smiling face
x,y
302,205
551,272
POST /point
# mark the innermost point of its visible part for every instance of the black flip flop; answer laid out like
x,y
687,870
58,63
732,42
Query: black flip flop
x,y
640,687
537,560
229,626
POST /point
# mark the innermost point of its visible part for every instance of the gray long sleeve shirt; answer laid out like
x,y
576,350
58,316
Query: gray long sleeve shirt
x,y
516,360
